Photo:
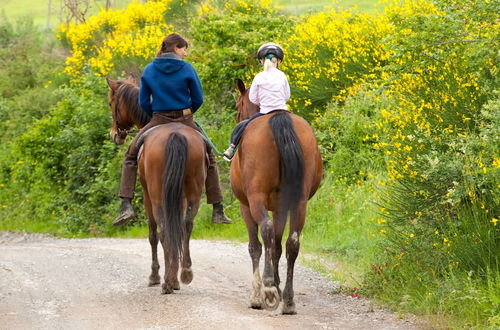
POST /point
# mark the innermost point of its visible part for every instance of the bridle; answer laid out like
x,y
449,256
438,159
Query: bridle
x,y
120,132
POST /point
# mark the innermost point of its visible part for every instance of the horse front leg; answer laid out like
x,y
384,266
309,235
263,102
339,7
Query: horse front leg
x,y
297,219
255,251
269,293
186,272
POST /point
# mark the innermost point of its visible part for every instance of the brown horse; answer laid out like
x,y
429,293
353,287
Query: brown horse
x,y
172,170
277,168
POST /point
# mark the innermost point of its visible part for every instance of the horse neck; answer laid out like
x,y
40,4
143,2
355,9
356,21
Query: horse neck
x,y
247,110
135,114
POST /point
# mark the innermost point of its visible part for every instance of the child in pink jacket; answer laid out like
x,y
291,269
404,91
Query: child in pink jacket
x,y
269,90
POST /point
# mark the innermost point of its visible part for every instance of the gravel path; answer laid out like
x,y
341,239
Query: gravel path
x,y
49,283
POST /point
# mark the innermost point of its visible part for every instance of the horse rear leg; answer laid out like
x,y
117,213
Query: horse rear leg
x,y
297,220
279,221
270,295
255,250
154,278
171,269
186,272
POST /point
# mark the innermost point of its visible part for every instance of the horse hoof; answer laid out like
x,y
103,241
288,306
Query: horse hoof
x,y
177,286
289,308
255,304
186,275
255,301
270,298
165,289
154,280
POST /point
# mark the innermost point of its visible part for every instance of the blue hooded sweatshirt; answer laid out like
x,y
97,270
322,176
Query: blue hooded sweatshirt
x,y
169,84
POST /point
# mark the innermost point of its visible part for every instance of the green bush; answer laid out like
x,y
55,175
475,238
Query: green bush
x,y
64,169
28,75
439,132
346,136
226,40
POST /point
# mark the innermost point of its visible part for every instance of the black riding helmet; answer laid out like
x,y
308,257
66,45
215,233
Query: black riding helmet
x,y
270,49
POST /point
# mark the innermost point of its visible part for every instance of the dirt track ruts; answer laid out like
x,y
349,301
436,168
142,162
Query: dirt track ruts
x,y
48,283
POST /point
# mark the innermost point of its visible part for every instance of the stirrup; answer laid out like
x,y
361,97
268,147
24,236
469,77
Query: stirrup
x,y
229,153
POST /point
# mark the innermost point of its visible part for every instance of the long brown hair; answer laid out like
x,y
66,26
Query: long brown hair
x,y
170,42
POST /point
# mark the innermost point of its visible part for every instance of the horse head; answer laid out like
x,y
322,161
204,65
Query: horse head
x,y
125,110
243,105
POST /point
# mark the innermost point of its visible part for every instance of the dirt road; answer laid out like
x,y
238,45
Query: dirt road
x,y
48,283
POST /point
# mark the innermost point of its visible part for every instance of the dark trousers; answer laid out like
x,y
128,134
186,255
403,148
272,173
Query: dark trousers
x,y
129,166
240,128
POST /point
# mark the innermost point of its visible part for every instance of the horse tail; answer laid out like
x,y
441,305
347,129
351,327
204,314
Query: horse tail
x,y
172,206
291,162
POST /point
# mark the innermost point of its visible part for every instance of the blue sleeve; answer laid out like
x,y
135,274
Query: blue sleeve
x,y
145,97
195,90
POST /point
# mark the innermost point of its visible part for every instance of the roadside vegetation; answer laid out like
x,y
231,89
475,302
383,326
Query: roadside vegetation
x,y
404,101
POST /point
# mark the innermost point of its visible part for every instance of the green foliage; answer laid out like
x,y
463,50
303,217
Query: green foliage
x,y
28,84
64,168
341,227
441,129
226,42
346,134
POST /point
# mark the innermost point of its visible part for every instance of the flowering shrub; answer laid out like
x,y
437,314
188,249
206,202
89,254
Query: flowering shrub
x,y
116,40
434,103
226,41
437,131
331,53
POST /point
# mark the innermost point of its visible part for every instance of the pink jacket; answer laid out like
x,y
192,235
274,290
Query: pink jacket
x,y
270,90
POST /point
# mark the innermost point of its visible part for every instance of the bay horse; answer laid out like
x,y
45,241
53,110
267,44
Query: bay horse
x,y
172,170
277,168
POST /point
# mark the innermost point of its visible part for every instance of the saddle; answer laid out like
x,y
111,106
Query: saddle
x,y
140,140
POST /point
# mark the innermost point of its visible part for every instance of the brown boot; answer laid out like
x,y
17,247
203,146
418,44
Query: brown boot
x,y
218,215
126,212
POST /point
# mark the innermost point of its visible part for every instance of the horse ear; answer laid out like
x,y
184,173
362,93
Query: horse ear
x,y
131,77
241,85
113,84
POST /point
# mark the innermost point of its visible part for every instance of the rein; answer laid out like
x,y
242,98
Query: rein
x,y
212,145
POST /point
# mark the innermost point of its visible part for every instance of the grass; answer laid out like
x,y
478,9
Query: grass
x,y
38,10
341,230
298,7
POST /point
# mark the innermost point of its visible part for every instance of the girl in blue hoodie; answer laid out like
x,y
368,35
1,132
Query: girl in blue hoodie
x,y
170,91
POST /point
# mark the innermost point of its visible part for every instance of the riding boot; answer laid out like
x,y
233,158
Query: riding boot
x,y
218,215
126,212
229,153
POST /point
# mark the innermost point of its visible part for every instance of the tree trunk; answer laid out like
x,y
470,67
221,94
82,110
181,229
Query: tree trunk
x,y
48,15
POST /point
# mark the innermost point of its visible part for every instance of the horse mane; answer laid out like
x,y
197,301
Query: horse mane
x,y
128,93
